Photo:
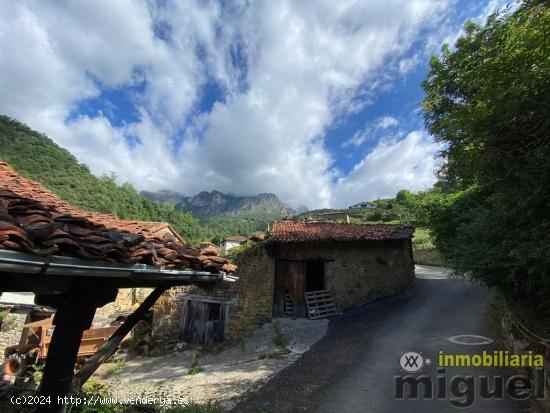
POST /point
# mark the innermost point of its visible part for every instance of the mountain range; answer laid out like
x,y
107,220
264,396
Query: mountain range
x,y
217,204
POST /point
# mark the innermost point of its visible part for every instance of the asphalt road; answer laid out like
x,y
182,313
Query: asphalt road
x,y
353,368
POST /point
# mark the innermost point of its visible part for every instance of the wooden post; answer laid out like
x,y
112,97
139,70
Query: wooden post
x,y
70,321
111,345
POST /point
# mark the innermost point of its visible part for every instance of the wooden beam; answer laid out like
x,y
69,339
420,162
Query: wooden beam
x,y
111,345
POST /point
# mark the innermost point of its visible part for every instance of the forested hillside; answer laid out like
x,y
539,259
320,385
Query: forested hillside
x,y
37,157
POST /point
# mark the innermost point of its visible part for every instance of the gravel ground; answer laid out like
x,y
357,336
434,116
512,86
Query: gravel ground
x,y
224,377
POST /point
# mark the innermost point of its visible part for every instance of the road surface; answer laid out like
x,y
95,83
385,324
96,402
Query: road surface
x,y
354,367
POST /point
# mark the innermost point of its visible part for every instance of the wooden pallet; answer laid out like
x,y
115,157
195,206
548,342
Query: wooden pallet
x,y
320,304
288,306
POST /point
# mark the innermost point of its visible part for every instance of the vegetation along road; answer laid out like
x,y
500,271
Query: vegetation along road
x,y
353,369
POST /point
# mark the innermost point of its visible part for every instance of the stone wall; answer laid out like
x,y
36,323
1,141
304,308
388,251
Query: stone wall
x,y
167,315
254,292
10,331
127,300
357,272
354,272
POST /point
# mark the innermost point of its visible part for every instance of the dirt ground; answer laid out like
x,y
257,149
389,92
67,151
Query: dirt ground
x,y
202,376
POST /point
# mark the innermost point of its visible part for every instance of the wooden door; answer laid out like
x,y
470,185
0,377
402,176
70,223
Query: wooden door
x,y
290,279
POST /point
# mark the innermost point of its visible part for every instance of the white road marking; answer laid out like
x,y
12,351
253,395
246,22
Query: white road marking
x,y
470,340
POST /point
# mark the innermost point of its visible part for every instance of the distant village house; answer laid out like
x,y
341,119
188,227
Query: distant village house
x,y
232,242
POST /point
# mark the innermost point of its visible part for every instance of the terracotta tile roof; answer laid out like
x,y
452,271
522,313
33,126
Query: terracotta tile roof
x,y
32,219
299,231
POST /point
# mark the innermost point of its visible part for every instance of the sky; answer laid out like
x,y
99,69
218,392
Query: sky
x,y
317,101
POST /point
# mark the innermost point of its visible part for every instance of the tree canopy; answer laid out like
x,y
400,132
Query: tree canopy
x,y
487,100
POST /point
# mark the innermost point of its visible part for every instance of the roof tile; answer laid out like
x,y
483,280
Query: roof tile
x,y
299,231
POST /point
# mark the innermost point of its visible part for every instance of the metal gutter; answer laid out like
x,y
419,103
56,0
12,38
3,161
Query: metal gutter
x,y
19,262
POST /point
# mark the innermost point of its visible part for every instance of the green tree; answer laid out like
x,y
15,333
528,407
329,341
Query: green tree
x,y
403,195
487,100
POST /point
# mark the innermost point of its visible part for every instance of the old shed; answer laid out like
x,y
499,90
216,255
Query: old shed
x,y
308,269
351,263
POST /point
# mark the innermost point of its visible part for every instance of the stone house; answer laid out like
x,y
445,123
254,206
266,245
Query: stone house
x,y
232,242
353,263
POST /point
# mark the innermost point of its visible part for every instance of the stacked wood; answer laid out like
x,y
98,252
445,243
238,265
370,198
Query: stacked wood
x,y
36,221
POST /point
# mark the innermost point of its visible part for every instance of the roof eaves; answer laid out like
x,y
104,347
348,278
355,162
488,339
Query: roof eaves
x,y
19,262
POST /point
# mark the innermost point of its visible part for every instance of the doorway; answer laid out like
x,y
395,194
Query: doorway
x,y
292,280
315,276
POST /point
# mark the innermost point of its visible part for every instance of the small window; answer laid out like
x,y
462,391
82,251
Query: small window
x,y
49,332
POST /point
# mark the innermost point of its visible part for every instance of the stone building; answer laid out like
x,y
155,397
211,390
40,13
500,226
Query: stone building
x,y
352,263
232,242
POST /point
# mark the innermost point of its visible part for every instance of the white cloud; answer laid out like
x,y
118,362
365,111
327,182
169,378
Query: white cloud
x,y
392,165
386,121
288,69
371,131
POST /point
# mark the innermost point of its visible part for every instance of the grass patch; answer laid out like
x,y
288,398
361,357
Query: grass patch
x,y
280,339
116,368
195,368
